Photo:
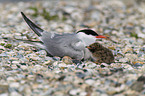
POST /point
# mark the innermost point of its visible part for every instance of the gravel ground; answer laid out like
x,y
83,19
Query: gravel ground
x,y
25,70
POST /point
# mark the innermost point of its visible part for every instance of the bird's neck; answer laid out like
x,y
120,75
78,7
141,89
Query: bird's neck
x,y
87,39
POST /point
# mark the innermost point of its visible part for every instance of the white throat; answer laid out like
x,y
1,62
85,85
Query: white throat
x,y
87,39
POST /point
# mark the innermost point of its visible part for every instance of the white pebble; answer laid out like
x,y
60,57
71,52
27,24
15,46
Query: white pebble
x,y
15,62
15,84
90,82
74,91
9,79
23,67
15,94
83,93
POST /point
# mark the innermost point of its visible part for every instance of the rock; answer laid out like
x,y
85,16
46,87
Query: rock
x,y
23,67
90,82
15,94
67,60
2,48
80,74
10,79
74,91
14,85
83,94
91,65
4,94
3,55
15,62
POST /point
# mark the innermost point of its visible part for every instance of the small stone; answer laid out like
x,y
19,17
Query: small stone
x,y
34,58
103,94
83,94
38,67
137,65
69,9
80,74
14,84
59,93
15,94
10,79
62,65
14,59
3,55
74,91
15,62
90,82
67,60
111,91
134,62
68,28
2,48
49,62
4,94
24,67
14,67
91,65
30,77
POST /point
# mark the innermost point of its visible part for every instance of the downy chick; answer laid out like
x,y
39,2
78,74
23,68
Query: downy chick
x,y
101,53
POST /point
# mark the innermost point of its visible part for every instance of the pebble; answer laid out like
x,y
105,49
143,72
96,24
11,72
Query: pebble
x,y
90,82
83,94
74,91
10,79
24,67
4,94
3,55
67,60
91,65
14,85
15,62
15,94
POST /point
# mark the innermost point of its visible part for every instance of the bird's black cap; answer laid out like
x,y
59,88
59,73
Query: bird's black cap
x,y
88,32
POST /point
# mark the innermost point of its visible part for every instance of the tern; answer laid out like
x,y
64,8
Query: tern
x,y
66,44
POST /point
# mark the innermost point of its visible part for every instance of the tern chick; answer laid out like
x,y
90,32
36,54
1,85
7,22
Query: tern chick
x,y
101,53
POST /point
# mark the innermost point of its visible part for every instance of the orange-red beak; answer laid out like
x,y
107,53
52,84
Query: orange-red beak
x,y
100,36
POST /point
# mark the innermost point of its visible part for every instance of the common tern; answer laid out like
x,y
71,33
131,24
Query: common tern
x,y
67,44
101,53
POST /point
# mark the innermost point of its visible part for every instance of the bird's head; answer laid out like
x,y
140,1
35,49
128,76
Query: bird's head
x,y
88,36
91,33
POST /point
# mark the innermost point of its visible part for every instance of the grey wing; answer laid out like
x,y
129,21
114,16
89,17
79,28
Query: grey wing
x,y
65,45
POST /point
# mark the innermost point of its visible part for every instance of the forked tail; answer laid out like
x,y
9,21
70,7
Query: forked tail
x,y
33,26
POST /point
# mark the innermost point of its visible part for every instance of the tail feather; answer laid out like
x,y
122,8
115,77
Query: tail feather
x,y
33,26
